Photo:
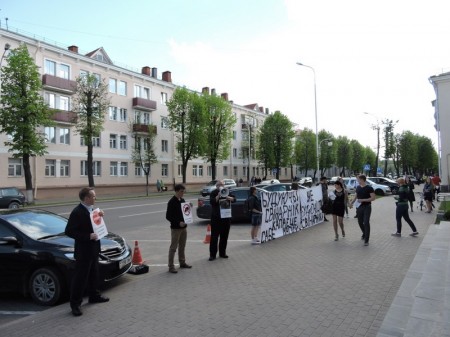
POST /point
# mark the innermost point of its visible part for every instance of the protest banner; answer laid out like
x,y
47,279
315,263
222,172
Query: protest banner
x,y
187,212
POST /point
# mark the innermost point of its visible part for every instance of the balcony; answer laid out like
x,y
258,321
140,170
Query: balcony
x,y
144,128
64,117
144,104
58,84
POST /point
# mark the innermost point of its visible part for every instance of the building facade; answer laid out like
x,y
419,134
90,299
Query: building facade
x,y
138,100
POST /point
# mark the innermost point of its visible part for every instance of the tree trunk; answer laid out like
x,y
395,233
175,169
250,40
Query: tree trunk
x,y
213,169
90,168
146,182
28,178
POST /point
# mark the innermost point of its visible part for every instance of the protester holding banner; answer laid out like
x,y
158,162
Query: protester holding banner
x,y
174,215
364,197
254,205
339,197
87,248
220,201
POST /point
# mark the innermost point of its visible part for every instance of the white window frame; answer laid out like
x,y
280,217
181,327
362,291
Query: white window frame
x,y
112,85
50,167
97,166
123,169
122,88
113,141
164,170
113,168
50,134
123,142
164,145
15,167
64,136
64,168
123,115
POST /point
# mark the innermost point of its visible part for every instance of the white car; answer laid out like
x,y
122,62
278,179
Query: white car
x,y
352,182
306,181
271,181
211,186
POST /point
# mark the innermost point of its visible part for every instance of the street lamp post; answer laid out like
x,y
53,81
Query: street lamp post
x,y
377,128
315,112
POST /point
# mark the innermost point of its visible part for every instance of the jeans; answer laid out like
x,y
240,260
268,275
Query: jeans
x,y
363,213
402,212
178,240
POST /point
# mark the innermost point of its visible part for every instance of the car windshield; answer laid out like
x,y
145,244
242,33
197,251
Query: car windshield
x,y
37,225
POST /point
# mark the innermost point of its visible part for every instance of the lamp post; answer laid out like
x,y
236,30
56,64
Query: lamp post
x,y
377,128
315,112
249,126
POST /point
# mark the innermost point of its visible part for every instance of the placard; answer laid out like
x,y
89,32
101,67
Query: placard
x,y
186,209
225,209
98,224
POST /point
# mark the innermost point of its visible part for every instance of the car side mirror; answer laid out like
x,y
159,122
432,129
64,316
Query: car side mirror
x,y
8,240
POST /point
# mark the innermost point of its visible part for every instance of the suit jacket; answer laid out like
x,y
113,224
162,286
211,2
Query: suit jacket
x,y
79,227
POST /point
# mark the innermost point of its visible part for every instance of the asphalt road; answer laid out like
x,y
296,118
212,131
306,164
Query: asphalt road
x,y
141,220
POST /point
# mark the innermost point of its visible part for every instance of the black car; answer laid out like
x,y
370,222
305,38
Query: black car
x,y
11,197
238,211
281,187
36,257
386,181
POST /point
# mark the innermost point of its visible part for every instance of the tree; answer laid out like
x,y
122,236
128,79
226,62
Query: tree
x,y
305,151
91,101
327,152
219,129
427,157
345,154
187,117
277,128
143,153
23,110
359,156
389,143
407,152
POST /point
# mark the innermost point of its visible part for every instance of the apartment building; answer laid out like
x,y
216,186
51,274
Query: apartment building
x,y
138,100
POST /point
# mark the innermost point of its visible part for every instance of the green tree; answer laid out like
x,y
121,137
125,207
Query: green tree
x,y
143,153
389,142
407,152
327,151
23,110
427,157
305,150
265,152
187,117
278,129
344,155
219,130
91,101
371,156
359,156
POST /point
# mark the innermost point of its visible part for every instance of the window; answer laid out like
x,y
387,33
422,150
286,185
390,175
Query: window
x,y
234,153
113,168
50,67
122,89
209,171
96,166
123,142
138,172
164,123
57,101
63,71
112,113
244,171
225,171
112,85
50,167
64,136
95,141
141,117
64,168
194,170
123,114
141,92
14,167
123,169
235,171
57,69
164,145
163,98
164,170
50,99
146,118
200,170
64,103
234,135
113,141
50,134
137,117
180,170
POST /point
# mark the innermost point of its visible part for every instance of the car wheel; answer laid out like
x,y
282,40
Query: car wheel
x,y
14,205
379,192
45,286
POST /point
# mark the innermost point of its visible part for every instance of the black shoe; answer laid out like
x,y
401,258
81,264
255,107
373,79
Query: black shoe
x,y
362,237
76,311
185,265
225,256
211,258
98,299
325,219
173,270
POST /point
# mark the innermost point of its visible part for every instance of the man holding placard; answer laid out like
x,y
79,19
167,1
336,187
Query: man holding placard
x,y
179,214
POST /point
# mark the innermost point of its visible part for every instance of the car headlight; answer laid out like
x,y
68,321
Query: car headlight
x,y
69,256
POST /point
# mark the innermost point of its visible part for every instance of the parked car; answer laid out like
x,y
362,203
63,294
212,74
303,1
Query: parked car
x,y
11,197
281,187
237,207
306,181
270,181
386,181
352,182
36,257
211,186
333,180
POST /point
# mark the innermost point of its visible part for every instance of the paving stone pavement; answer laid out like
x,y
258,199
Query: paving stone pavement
x,y
304,284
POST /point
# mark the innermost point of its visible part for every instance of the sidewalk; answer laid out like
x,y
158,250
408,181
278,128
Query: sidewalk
x,y
303,284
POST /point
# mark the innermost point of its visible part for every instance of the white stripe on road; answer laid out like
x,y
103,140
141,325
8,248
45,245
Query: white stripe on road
x,y
138,214
140,240
17,312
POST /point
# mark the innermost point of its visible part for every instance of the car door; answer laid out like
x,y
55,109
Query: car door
x,y
237,207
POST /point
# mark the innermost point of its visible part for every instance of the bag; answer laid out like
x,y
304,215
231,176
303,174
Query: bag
x,y
327,207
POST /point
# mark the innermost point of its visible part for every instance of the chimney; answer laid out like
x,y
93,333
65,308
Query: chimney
x,y
146,70
205,90
213,92
73,49
155,72
167,76
224,96
261,109
267,111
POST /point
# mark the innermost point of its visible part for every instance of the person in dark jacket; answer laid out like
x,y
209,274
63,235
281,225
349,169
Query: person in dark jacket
x,y
402,208
87,248
174,215
220,226
254,205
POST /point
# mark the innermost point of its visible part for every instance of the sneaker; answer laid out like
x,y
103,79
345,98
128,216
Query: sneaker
x,y
256,242
414,233
396,234
366,243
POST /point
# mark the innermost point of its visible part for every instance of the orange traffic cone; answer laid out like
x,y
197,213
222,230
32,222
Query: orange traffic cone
x,y
208,234
137,257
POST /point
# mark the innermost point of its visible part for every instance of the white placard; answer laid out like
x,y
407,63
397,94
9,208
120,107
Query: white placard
x,y
98,224
225,209
186,209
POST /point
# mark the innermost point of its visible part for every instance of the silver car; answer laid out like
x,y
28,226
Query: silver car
x,y
211,186
352,182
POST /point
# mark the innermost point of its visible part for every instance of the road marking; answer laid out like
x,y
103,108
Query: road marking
x,y
164,240
18,312
138,214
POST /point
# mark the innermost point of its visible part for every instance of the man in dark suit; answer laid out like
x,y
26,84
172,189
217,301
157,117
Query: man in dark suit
x,y
87,249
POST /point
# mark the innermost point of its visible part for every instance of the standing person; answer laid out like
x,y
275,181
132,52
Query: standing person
x,y
324,185
364,197
158,185
411,197
402,208
437,184
162,185
428,194
346,195
254,204
240,182
87,249
174,215
339,196
220,227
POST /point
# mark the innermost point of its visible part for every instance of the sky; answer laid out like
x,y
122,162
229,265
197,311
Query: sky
x,y
368,56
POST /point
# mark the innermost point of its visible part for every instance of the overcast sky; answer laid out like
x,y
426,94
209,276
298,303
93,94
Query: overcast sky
x,y
368,56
